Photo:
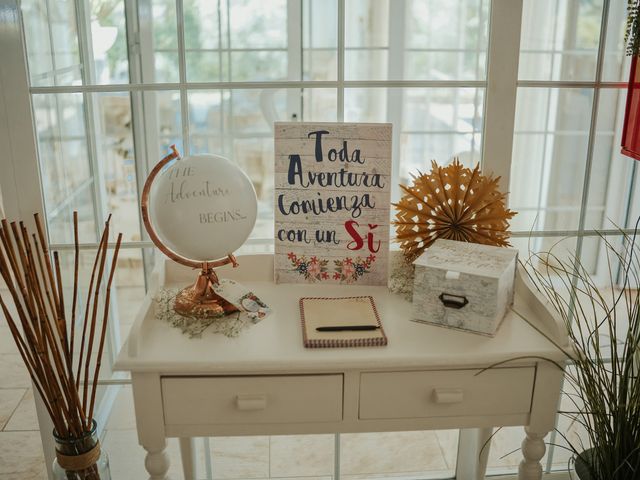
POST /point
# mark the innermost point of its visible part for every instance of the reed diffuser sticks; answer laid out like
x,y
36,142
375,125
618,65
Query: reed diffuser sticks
x,y
43,325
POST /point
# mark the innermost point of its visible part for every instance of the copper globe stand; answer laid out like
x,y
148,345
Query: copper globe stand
x,y
200,299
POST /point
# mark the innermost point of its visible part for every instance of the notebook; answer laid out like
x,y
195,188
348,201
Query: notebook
x,y
339,311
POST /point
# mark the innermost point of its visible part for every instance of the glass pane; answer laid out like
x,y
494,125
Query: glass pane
x,y
549,157
51,42
238,124
126,455
108,47
319,105
634,197
563,248
418,149
573,431
447,110
366,39
164,62
559,39
117,162
67,179
505,453
165,108
299,456
422,110
126,294
236,41
446,40
53,51
206,66
319,39
616,62
258,66
130,288
439,40
367,105
165,66
202,24
60,218
257,24
429,454
369,64
611,172
320,64
434,123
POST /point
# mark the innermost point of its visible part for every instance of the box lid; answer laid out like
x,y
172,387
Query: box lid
x,y
464,257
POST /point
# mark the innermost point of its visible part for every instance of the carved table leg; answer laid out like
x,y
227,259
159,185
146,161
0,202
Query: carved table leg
x,y
157,460
533,449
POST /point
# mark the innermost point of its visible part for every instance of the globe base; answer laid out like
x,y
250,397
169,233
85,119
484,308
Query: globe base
x,y
200,301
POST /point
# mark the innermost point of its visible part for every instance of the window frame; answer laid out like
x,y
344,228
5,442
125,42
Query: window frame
x,y
501,86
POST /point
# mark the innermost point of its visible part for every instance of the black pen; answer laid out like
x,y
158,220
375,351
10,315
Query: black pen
x,y
344,328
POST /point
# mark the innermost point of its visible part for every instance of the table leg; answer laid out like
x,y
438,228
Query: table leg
x,y
533,449
188,455
157,460
473,453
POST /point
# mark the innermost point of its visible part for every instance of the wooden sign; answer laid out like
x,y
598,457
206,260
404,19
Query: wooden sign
x,y
332,202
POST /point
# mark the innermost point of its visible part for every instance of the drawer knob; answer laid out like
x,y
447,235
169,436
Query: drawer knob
x,y
251,402
447,395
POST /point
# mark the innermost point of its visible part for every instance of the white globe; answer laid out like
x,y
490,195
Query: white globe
x,y
203,207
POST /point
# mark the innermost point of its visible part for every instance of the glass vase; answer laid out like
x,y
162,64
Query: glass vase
x,y
80,458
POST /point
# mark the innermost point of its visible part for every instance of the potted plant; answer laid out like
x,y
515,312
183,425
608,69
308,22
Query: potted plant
x,y
603,324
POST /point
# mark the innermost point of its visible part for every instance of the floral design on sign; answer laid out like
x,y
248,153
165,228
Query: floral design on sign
x,y
350,270
311,269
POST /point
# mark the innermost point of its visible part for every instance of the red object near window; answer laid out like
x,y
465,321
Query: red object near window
x,y
631,127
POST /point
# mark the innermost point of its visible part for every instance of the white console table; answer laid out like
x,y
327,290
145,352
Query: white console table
x,y
265,382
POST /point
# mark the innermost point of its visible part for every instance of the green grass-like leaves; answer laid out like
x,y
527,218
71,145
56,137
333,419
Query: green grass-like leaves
x,y
605,357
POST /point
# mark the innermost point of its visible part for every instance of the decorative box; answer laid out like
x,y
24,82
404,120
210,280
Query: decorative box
x,y
463,285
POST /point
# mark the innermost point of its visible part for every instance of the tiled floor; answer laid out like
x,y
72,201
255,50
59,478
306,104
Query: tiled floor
x,y
405,455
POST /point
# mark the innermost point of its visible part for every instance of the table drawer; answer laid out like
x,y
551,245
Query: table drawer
x,y
252,399
443,393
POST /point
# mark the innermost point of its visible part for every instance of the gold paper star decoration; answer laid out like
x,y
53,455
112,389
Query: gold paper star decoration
x,y
452,202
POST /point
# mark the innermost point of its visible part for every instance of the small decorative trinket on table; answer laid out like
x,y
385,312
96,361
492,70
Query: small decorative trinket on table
x,y
454,203
249,310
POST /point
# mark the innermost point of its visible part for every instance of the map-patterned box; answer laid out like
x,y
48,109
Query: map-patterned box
x,y
465,286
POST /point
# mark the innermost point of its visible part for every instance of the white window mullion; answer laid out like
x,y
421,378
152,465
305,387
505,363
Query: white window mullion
x,y
478,99
294,58
341,52
395,96
593,125
20,181
92,119
165,86
144,119
228,139
502,78
139,17
184,100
